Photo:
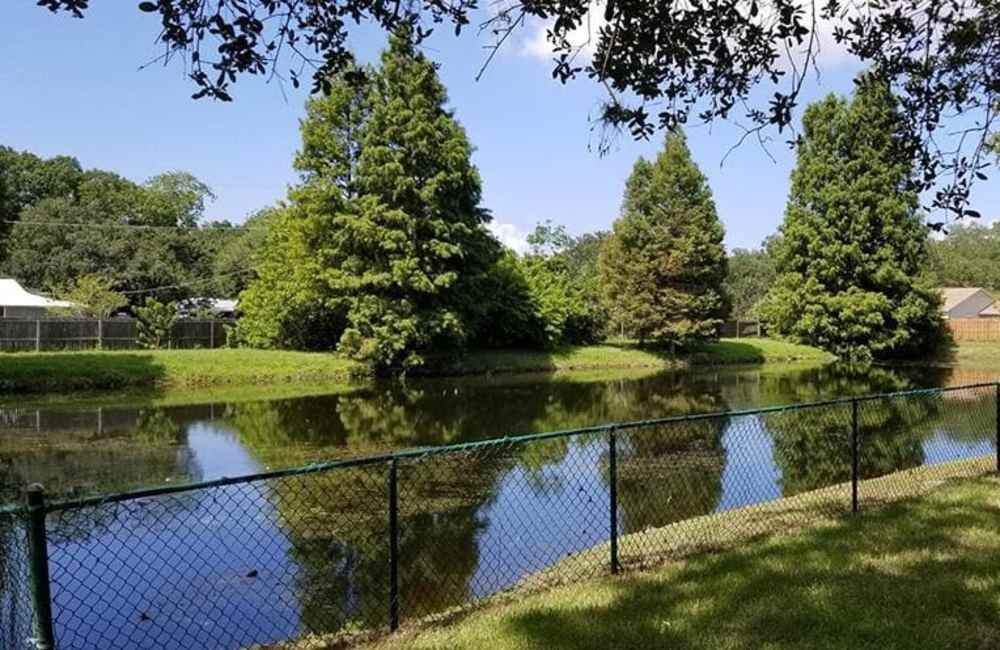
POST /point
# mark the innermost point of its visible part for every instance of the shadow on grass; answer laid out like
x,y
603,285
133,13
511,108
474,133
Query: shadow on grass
x,y
66,372
946,353
923,574
729,352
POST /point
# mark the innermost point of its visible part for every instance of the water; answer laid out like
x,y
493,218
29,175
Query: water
x,y
166,572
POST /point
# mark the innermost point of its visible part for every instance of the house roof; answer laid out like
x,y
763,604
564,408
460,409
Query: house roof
x,y
992,310
955,296
12,294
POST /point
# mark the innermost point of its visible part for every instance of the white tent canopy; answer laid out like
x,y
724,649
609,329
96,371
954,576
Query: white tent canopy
x,y
12,294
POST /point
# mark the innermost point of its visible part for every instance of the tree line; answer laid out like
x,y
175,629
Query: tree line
x,y
109,243
381,250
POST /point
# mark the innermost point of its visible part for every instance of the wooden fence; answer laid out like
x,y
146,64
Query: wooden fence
x,y
112,334
974,329
737,329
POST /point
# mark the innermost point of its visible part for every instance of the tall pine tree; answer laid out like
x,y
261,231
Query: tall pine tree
x,y
663,268
852,259
387,219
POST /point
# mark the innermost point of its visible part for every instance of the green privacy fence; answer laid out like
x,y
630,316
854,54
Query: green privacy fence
x,y
361,546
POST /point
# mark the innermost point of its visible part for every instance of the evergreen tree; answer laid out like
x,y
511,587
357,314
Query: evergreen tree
x,y
853,254
386,227
663,268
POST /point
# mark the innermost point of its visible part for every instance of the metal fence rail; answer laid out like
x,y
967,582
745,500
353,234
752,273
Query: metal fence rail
x,y
740,328
368,544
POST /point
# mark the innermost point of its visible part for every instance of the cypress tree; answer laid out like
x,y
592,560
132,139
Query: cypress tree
x,y
663,267
387,218
852,260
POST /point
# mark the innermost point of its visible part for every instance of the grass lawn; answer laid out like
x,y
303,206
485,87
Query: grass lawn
x,y
736,351
70,372
86,371
973,354
918,573
625,355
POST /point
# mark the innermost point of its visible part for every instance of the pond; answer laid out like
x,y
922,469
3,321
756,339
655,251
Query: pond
x,y
476,529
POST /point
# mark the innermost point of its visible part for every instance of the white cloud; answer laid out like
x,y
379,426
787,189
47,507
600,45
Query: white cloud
x,y
537,45
510,236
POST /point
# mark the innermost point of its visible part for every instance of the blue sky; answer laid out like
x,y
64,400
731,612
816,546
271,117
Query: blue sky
x,y
73,87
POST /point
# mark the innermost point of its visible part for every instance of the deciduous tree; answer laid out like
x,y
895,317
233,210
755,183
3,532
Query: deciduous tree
x,y
140,237
94,296
26,179
751,273
156,323
561,275
968,256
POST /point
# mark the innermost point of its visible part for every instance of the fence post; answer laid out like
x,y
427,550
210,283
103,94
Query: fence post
x,y
393,547
997,386
211,334
38,548
613,489
38,335
854,455
100,333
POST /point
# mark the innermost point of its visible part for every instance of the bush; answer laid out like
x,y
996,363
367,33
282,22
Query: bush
x,y
156,323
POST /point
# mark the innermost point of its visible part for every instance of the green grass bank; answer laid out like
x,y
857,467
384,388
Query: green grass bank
x,y
69,372
923,572
626,355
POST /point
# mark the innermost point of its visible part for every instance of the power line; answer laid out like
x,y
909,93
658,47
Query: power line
x,y
183,285
132,292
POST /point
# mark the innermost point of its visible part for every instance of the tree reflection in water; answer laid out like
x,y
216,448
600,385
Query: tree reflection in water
x,y
472,523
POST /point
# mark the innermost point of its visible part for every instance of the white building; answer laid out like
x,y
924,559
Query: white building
x,y
217,307
17,303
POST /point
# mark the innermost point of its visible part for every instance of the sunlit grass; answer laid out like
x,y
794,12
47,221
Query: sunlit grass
x,y
921,572
623,355
65,372
973,354
757,350
75,372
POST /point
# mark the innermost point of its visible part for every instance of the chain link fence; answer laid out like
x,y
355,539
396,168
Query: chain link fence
x,y
317,556
15,591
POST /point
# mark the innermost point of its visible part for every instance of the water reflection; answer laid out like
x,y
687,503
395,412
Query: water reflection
x,y
471,524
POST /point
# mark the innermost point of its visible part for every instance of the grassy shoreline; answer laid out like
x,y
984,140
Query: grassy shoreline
x,y
96,371
617,356
814,523
71,372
